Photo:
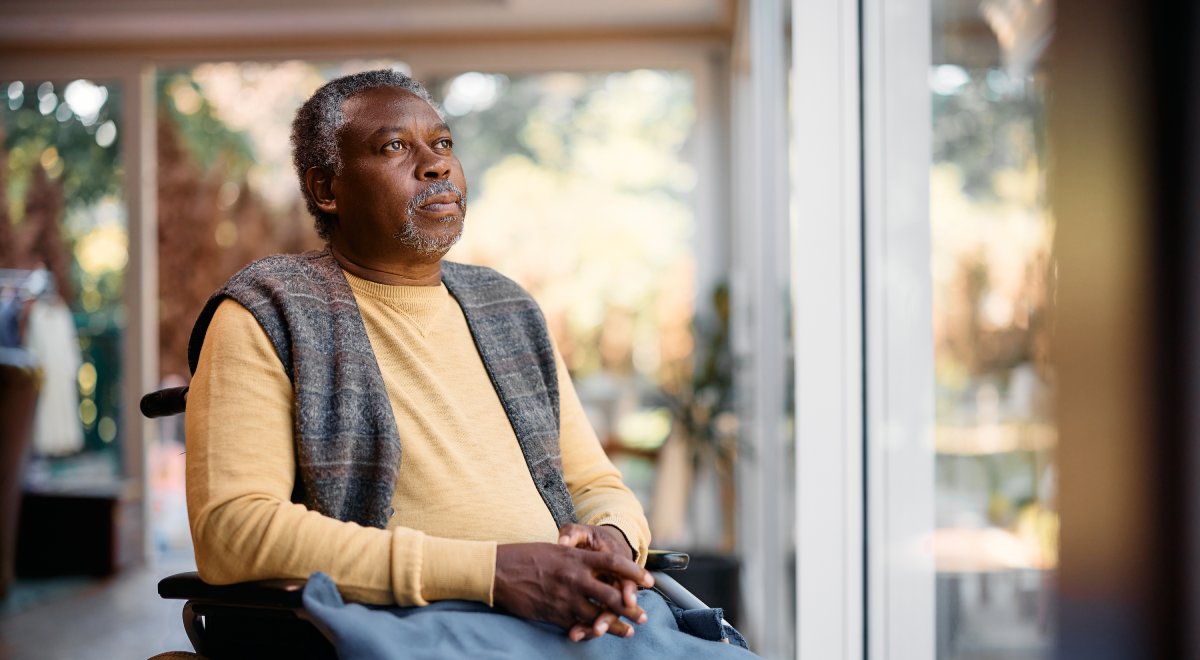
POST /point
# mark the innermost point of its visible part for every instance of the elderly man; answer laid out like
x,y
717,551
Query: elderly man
x,y
401,423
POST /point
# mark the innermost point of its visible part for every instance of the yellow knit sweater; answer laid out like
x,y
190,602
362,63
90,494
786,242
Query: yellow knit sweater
x,y
463,486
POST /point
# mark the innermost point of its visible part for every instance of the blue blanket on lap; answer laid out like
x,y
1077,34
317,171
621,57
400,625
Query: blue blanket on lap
x,y
464,629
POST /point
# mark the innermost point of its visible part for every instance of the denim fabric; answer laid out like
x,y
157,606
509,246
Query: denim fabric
x,y
464,629
707,624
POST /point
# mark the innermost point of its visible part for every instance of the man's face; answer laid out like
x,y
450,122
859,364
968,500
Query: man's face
x,y
401,186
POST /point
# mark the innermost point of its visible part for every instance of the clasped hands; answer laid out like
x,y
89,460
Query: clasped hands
x,y
584,583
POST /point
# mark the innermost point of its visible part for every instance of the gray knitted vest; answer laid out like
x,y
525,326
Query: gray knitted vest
x,y
347,444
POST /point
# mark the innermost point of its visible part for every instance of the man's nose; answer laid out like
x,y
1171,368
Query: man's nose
x,y
435,166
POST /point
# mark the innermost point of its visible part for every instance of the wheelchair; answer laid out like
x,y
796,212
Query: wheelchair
x,y
266,618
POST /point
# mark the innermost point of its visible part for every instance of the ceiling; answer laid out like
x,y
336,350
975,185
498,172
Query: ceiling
x,y
75,25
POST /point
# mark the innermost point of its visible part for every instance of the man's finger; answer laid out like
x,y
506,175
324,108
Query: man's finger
x,y
621,629
572,534
629,589
606,623
574,539
611,624
611,598
585,613
620,567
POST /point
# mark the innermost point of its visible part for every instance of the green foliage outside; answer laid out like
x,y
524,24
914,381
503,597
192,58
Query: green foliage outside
x,y
78,145
87,171
581,191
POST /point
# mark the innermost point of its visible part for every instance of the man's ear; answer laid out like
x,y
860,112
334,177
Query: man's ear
x,y
319,183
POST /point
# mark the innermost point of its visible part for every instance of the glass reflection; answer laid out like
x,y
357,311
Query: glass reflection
x,y
993,274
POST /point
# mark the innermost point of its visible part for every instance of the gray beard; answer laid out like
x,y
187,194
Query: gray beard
x,y
410,235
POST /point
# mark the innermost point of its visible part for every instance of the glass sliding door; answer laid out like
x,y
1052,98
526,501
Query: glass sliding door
x,y
995,543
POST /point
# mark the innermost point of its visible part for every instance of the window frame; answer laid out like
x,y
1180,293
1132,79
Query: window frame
x,y
864,360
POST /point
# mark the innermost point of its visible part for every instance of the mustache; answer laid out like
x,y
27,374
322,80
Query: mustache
x,y
439,187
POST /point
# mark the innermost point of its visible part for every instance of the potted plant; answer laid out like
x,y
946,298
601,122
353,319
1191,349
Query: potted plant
x,y
694,497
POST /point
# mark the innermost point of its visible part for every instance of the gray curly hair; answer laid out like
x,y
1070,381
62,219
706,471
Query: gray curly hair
x,y
318,121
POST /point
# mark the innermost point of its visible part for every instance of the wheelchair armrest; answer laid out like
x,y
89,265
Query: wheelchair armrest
x,y
165,403
273,594
666,560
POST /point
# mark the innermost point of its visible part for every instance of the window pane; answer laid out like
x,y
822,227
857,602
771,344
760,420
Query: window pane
x,y
993,277
63,243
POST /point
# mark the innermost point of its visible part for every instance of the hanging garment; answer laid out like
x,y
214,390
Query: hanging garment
x,y
51,337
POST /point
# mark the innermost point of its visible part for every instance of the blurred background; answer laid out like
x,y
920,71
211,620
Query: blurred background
x,y
802,260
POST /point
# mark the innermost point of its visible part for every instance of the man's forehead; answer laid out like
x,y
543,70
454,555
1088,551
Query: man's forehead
x,y
378,107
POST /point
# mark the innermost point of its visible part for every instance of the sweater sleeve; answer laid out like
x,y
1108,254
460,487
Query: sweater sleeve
x,y
240,474
600,497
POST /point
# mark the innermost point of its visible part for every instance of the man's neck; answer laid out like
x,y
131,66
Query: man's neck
x,y
415,274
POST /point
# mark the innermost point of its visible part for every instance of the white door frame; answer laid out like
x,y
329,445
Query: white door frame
x,y
862,330
898,296
827,328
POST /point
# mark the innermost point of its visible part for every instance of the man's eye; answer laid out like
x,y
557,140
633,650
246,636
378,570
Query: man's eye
x,y
444,143
394,145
